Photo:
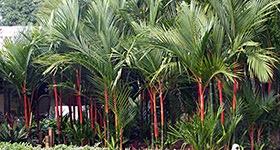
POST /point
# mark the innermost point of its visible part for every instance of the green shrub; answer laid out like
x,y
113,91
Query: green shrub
x,y
17,146
26,146
16,133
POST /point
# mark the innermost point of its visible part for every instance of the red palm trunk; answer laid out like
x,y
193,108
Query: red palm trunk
x,y
78,97
251,135
91,113
201,99
161,110
106,125
106,101
95,114
29,110
152,112
269,87
60,102
235,88
25,105
55,97
60,112
116,116
220,88
155,114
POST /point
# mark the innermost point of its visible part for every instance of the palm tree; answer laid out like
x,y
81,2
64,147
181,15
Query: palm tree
x,y
154,68
242,21
16,67
255,107
195,40
94,41
210,42
124,109
152,63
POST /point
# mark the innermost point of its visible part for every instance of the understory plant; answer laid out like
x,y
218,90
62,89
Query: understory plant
x,y
207,135
14,133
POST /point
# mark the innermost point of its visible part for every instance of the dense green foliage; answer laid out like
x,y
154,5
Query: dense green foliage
x,y
18,12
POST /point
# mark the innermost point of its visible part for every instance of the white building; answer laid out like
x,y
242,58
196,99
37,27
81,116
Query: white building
x,y
10,32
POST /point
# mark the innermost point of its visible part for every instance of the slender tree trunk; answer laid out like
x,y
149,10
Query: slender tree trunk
x,y
268,87
116,115
25,105
78,97
56,102
235,88
105,130
211,96
106,125
220,88
70,111
91,113
29,111
152,112
95,114
251,135
60,101
60,113
74,110
161,97
155,115
121,138
201,99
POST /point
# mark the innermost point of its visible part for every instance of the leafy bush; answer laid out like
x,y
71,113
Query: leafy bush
x,y
17,146
15,133
210,134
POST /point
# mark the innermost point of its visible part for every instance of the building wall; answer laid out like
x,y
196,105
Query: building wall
x,y
10,32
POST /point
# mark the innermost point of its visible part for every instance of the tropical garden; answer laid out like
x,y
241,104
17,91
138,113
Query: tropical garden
x,y
146,74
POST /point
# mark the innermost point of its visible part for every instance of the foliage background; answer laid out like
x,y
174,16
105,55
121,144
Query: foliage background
x,y
18,12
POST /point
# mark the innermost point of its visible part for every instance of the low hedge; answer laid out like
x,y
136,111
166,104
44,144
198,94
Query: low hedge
x,y
26,146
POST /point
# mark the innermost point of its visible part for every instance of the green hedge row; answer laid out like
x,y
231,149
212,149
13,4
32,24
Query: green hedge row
x,y
26,146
